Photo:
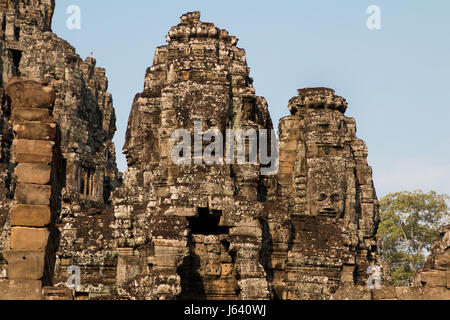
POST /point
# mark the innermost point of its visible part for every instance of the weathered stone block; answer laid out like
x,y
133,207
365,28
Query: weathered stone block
x,y
289,123
289,145
288,157
385,293
31,114
350,292
286,168
409,293
25,264
29,238
181,212
30,216
442,261
448,279
35,131
20,290
253,289
437,293
33,151
168,256
367,193
285,178
56,293
364,174
36,173
32,194
368,211
128,266
347,274
29,94
166,261
246,231
163,192
434,278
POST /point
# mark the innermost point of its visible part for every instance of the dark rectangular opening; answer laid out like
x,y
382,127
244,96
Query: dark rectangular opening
x,y
250,111
207,223
16,33
323,127
16,56
81,296
3,23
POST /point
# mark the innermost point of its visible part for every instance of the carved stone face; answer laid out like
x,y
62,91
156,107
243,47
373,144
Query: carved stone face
x,y
326,193
328,202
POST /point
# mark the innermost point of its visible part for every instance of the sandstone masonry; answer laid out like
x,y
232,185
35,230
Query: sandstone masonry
x,y
37,154
84,112
190,231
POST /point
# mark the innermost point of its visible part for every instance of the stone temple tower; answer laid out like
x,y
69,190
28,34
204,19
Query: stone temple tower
x,y
191,230
301,226
227,231
331,208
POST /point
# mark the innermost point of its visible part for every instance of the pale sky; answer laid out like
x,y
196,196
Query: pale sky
x,y
396,80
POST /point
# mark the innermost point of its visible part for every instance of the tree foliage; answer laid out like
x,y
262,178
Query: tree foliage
x,y
409,224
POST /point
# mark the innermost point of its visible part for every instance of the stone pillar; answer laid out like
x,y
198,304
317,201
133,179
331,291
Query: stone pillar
x,y
35,153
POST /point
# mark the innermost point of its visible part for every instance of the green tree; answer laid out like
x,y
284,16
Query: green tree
x,y
409,224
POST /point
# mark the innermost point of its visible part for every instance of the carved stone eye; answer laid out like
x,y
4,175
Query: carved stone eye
x,y
322,197
335,197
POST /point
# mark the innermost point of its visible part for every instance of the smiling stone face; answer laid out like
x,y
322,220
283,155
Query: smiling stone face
x,y
326,191
328,202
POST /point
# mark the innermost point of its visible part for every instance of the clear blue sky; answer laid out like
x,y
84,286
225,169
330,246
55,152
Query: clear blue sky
x,y
396,79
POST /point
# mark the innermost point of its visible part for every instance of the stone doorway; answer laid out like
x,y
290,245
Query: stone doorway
x,y
208,272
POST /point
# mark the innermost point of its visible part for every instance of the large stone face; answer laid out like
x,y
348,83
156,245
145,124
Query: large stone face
x,y
298,235
191,228
331,205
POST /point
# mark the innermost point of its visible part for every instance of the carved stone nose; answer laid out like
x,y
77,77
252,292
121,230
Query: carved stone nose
x,y
327,203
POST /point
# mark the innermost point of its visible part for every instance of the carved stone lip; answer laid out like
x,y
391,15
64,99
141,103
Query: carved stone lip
x,y
328,212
